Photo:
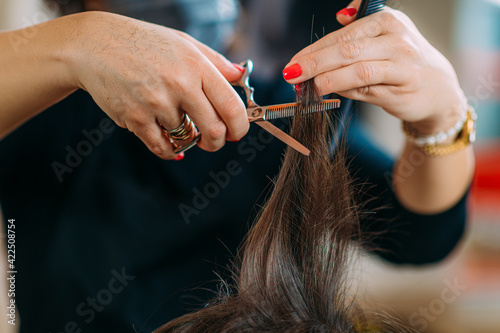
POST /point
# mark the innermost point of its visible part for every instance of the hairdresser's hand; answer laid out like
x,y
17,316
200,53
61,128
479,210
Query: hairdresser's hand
x,y
143,75
384,60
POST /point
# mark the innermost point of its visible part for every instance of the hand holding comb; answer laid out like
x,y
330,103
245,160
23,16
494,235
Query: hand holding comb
x,y
368,7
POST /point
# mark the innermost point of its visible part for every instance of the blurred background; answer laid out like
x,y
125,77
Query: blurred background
x,y
467,32
461,294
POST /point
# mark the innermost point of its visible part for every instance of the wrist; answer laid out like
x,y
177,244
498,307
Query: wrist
x,y
441,127
78,45
447,142
63,51
442,121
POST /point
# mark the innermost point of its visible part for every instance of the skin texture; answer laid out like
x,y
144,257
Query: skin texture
x,y
143,75
383,59
140,74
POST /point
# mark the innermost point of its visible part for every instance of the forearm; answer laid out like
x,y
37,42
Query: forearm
x,y
35,73
429,185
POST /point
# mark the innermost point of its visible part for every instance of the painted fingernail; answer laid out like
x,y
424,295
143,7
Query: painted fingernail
x,y
239,67
292,72
234,140
349,11
298,89
179,157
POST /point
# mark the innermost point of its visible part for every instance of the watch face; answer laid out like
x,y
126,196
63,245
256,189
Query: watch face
x,y
472,131
210,21
472,137
471,124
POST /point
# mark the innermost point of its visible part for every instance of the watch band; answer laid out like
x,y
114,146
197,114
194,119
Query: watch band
x,y
466,135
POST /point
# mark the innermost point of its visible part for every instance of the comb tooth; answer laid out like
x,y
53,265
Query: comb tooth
x,y
285,111
375,6
280,112
269,115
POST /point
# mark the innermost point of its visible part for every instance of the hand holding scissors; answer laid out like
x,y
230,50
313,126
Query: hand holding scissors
x,y
262,114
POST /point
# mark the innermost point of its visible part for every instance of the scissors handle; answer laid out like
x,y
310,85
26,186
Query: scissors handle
x,y
244,83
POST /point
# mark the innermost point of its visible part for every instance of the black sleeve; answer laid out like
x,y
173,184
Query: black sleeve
x,y
395,233
33,154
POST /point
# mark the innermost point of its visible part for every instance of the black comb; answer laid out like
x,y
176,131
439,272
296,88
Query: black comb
x,y
368,7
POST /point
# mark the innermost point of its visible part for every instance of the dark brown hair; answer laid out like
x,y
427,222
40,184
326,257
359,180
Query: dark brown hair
x,y
291,275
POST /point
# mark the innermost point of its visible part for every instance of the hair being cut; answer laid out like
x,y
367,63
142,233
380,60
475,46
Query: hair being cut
x,y
291,275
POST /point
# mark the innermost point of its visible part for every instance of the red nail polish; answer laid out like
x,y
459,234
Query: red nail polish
x,y
298,89
234,140
292,72
179,157
239,67
349,11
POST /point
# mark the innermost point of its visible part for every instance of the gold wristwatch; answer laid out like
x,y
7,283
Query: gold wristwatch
x,y
432,146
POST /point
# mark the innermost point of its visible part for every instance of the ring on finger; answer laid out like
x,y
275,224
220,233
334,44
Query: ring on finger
x,y
180,135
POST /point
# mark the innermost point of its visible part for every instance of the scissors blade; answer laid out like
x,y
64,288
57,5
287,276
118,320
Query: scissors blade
x,y
283,137
288,110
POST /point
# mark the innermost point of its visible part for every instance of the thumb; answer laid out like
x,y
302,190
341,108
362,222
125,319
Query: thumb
x,y
348,15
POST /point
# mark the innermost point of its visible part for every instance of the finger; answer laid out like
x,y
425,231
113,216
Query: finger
x,y
347,15
342,54
358,75
228,104
232,72
213,130
168,116
154,138
364,28
384,22
378,95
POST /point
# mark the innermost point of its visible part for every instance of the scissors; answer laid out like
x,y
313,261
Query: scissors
x,y
261,114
